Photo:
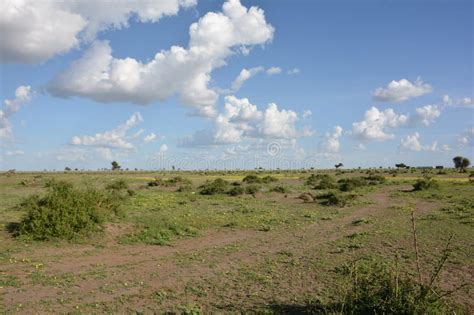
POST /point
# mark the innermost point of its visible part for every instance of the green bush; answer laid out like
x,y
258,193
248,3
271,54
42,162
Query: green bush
x,y
425,184
117,185
280,189
349,184
334,199
217,186
252,189
66,212
269,179
236,191
375,288
326,182
251,179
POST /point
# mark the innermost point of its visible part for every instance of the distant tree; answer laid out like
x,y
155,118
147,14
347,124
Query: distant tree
x,y
338,165
115,166
67,168
401,165
461,163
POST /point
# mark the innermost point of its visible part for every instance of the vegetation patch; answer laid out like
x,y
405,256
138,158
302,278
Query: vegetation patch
x,y
425,184
66,212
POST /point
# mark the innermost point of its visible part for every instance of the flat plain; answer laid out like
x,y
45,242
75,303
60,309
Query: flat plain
x,y
272,243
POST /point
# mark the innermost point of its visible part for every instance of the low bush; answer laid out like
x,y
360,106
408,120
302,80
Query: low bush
x,y
376,288
174,181
349,184
66,212
117,185
236,191
254,179
252,189
251,179
279,189
425,184
217,186
269,179
326,182
334,199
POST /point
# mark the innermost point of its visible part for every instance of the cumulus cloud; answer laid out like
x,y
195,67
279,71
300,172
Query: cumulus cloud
x,y
307,113
244,75
467,138
183,71
149,138
242,120
23,95
34,31
462,102
412,143
399,91
426,115
331,143
377,124
293,71
105,154
115,138
273,70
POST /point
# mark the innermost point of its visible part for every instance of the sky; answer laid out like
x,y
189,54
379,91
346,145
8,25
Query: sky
x,y
212,84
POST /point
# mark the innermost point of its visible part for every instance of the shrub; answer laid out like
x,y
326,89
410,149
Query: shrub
x,y
326,182
236,191
66,212
156,182
217,186
375,288
251,179
252,189
117,185
280,189
334,199
375,179
349,184
425,184
269,179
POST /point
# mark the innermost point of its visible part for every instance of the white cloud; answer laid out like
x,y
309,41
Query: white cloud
x,y
467,138
242,121
183,71
105,153
273,70
33,31
163,148
307,113
426,115
462,102
14,153
294,71
23,95
149,138
412,143
375,124
72,155
244,75
399,91
115,138
278,124
331,143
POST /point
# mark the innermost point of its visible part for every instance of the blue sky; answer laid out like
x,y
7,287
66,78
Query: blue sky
x,y
253,83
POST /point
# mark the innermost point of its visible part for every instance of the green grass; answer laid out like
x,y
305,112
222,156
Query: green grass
x,y
291,261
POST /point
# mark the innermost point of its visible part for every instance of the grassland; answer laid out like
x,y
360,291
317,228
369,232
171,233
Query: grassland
x,y
280,249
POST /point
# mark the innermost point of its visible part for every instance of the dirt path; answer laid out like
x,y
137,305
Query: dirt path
x,y
103,275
